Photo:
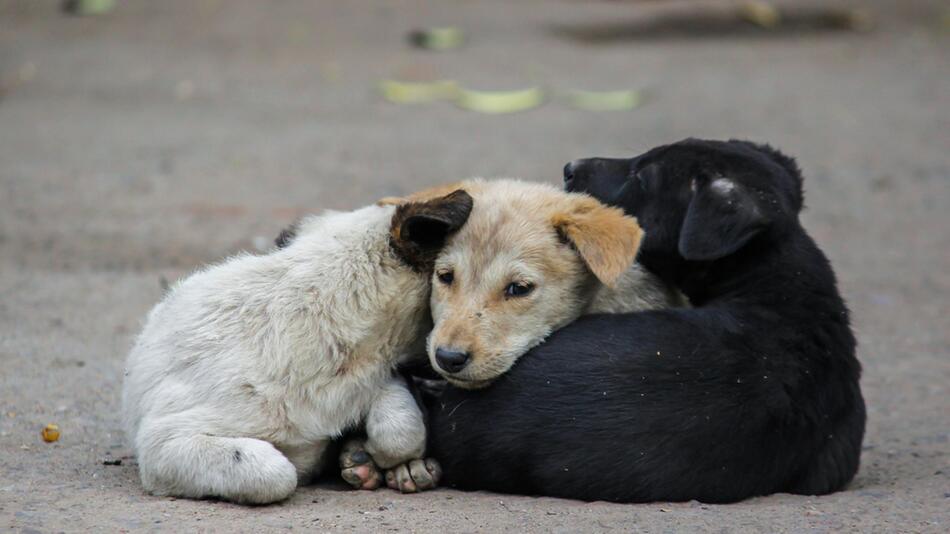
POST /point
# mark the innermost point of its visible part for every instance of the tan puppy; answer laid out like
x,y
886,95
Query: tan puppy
x,y
530,260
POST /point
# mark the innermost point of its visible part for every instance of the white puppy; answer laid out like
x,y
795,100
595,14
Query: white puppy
x,y
247,369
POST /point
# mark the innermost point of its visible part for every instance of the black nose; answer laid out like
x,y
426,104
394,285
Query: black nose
x,y
569,171
451,361
571,183
568,174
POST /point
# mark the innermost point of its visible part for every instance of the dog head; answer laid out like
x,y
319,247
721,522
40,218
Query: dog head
x,y
696,200
525,264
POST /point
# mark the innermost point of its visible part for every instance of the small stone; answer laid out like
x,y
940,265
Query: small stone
x,y
50,433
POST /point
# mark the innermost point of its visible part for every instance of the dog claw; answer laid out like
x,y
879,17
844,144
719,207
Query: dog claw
x,y
435,470
414,476
419,473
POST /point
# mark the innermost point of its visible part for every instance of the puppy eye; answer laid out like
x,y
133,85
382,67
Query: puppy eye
x,y
518,289
446,277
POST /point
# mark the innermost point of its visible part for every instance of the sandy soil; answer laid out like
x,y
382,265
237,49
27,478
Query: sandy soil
x,y
139,145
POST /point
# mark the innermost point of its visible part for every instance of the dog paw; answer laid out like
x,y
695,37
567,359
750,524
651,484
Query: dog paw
x,y
357,467
414,476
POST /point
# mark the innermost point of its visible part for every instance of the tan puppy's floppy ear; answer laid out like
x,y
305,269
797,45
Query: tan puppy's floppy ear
x,y
421,196
604,237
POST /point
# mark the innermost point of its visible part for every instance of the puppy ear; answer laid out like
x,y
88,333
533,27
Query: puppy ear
x,y
604,237
787,164
419,229
721,218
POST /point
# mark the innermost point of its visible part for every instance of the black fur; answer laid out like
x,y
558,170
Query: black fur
x,y
753,391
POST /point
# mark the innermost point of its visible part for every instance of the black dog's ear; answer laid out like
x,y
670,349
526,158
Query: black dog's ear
x,y
721,218
787,163
419,229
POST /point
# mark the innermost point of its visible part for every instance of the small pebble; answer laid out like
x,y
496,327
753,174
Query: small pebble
x,y
50,433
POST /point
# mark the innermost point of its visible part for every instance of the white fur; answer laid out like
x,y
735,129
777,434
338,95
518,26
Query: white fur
x,y
722,186
246,369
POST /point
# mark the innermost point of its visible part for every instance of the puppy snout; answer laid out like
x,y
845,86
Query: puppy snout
x,y
569,173
451,361
577,173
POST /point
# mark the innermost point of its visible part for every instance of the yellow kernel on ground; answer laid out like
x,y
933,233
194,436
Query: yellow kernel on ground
x,y
51,433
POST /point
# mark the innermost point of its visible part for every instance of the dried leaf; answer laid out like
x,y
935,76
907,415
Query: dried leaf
x,y
760,13
444,38
495,102
415,92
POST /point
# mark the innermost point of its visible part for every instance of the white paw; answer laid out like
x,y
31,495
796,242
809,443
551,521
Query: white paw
x,y
242,470
262,474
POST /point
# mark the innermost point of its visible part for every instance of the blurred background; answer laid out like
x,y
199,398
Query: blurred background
x,y
140,139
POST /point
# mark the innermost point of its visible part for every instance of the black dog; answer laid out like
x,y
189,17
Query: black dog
x,y
752,391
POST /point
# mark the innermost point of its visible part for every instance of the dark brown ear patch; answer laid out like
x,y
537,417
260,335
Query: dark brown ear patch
x,y
419,229
287,235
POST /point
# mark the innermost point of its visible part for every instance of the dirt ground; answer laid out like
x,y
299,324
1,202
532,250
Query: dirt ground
x,y
138,145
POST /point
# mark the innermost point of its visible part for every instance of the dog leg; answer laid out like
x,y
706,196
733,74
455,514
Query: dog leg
x,y
396,438
174,460
395,430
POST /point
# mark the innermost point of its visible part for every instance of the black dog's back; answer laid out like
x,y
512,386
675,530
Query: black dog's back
x,y
652,406
753,392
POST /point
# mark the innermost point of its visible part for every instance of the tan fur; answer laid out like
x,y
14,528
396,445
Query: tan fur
x,y
563,244
421,196
606,239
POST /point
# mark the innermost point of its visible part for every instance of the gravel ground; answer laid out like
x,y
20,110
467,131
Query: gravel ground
x,y
139,145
